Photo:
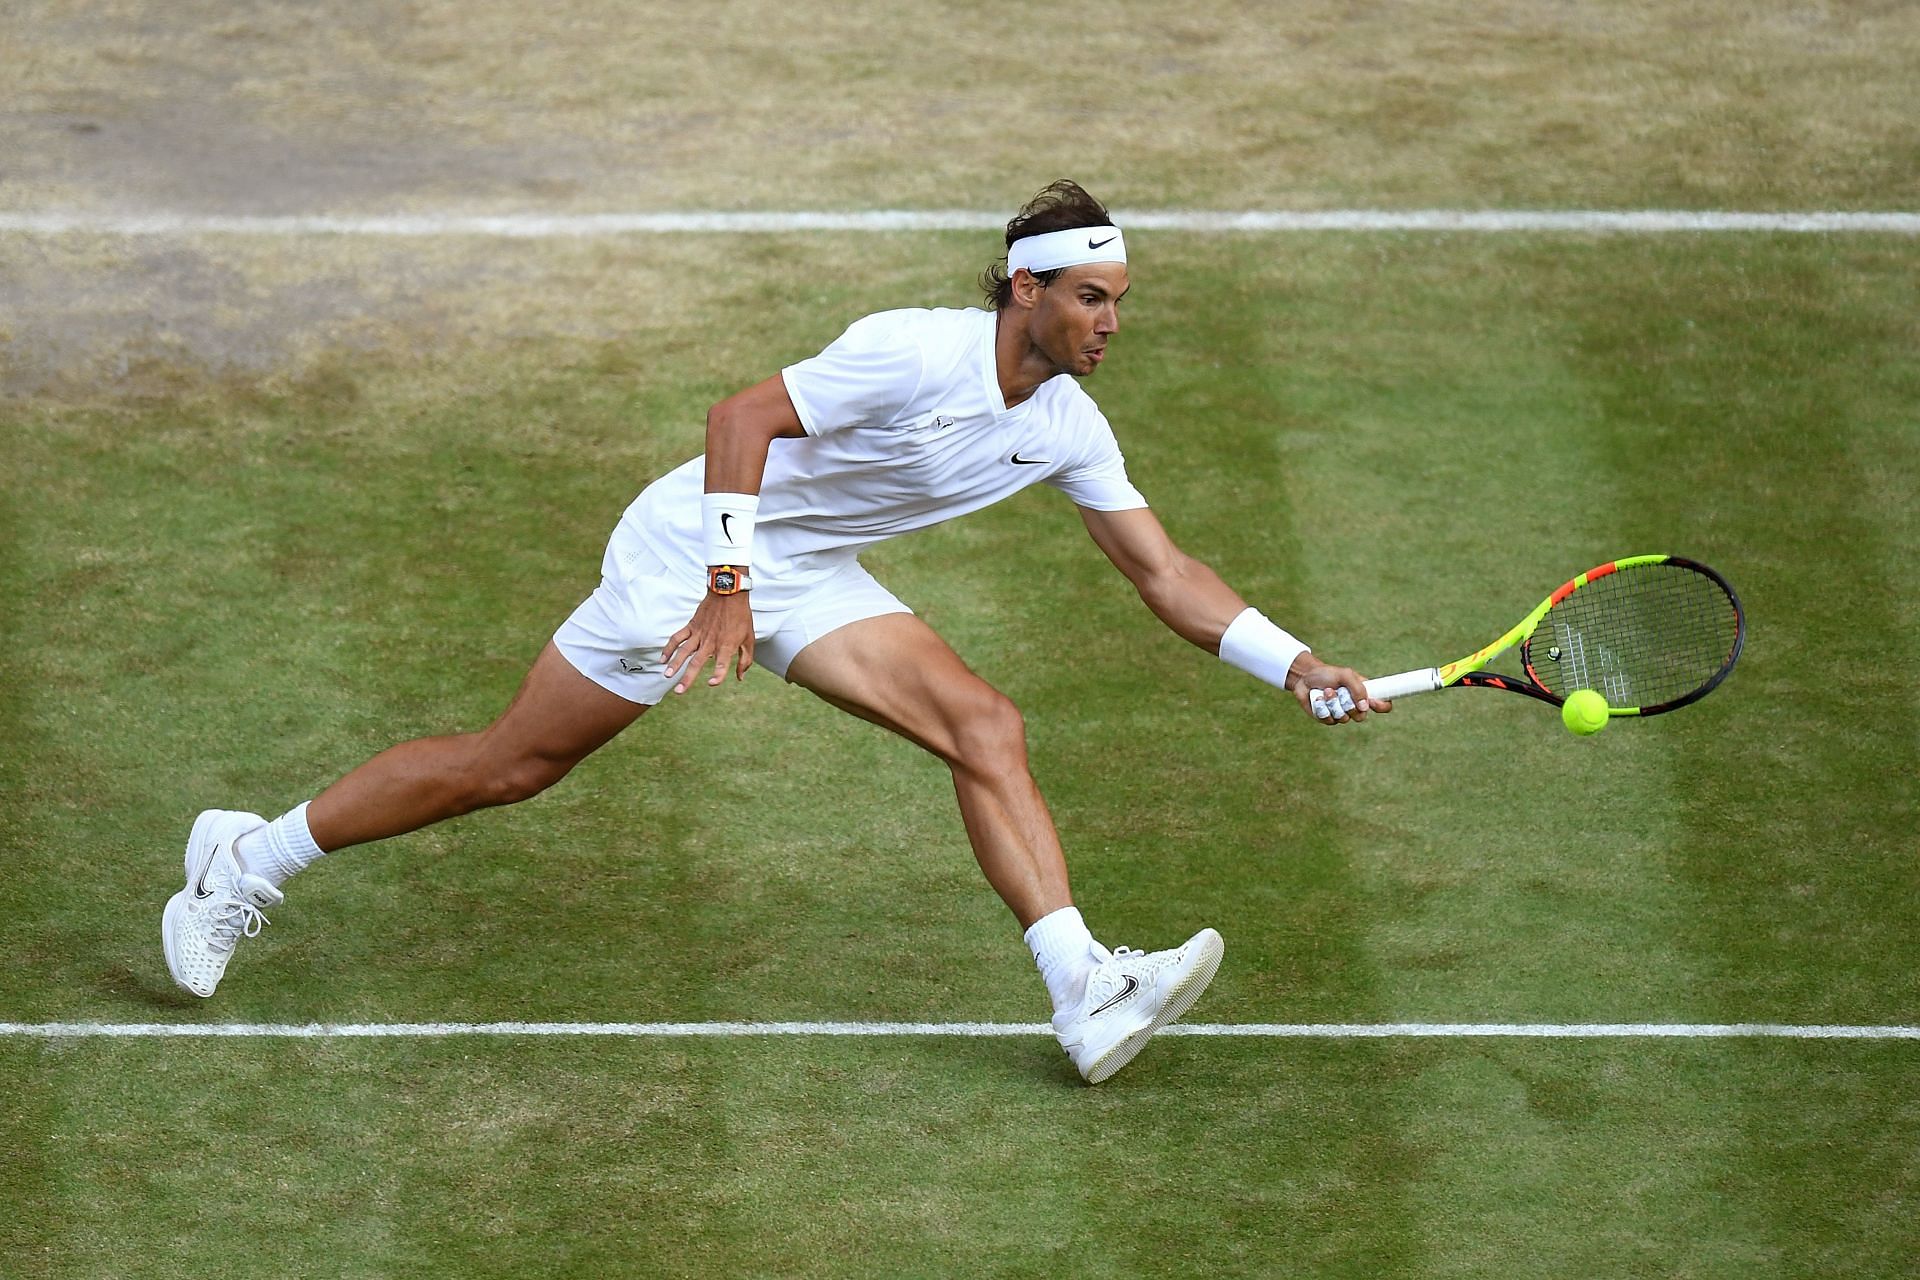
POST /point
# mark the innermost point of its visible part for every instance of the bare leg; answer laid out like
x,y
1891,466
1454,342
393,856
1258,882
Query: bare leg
x,y
897,672
557,719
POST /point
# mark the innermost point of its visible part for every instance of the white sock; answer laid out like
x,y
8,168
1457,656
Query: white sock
x,y
281,849
1063,948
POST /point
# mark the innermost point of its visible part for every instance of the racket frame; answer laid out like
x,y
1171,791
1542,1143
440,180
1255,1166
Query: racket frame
x,y
1470,673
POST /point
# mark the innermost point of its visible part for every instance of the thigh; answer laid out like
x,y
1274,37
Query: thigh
x,y
897,672
823,606
558,715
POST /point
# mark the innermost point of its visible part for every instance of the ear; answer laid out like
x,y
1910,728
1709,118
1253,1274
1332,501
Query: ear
x,y
1026,289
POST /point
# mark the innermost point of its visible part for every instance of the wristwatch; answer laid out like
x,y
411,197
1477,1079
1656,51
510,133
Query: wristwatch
x,y
728,580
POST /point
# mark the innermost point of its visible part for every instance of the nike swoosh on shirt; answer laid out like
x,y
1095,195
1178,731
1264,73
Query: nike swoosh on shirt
x,y
1093,244
1133,985
1019,461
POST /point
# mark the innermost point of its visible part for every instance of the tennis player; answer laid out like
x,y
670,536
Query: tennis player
x,y
750,554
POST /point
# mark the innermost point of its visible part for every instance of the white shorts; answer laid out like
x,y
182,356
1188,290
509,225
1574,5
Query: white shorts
x,y
616,638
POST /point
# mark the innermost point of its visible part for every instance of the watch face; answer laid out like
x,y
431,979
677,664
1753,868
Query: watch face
x,y
725,580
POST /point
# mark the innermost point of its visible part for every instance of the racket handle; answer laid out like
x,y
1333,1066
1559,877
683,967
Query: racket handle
x,y
1407,682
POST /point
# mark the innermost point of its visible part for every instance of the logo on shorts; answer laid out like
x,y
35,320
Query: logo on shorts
x,y
941,422
632,668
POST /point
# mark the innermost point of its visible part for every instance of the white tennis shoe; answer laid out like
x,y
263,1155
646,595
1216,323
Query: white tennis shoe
x,y
221,904
1130,995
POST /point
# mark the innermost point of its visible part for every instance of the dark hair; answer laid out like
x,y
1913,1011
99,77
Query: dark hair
x,y
1059,206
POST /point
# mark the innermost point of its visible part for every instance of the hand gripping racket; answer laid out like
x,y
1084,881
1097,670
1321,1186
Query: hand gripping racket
x,y
1650,634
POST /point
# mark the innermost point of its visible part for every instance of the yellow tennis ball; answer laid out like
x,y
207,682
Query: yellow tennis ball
x,y
1584,712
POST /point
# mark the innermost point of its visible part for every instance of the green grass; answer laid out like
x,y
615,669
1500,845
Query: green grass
x,y
231,592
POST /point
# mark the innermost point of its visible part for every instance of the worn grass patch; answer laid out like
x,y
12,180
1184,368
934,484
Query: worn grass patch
x,y
588,104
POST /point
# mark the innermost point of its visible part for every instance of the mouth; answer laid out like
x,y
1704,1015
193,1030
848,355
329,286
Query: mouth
x,y
1097,354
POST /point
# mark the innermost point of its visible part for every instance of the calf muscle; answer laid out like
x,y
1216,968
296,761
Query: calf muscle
x,y
896,672
557,719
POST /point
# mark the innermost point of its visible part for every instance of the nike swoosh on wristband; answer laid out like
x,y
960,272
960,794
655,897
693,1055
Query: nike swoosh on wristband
x,y
725,528
1091,244
1019,461
1133,985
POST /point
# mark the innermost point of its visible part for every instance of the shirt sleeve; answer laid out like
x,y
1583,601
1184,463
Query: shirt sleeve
x,y
1097,476
864,379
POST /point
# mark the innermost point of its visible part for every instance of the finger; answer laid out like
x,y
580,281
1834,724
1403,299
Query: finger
x,y
746,659
1321,709
677,657
691,672
1353,690
674,642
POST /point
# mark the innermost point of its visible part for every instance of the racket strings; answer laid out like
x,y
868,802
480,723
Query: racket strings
x,y
1642,636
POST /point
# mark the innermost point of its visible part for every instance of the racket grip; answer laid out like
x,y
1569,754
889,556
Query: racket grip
x,y
1388,688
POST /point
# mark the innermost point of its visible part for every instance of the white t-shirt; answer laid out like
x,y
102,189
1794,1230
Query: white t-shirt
x,y
906,428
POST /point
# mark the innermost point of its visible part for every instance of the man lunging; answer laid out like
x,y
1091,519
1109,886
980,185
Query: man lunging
x,y
749,554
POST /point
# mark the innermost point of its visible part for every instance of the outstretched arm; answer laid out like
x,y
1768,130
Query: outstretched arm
x,y
1196,605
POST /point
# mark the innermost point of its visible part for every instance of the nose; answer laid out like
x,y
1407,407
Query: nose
x,y
1109,320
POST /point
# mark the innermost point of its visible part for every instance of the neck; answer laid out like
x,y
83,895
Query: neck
x,y
1018,364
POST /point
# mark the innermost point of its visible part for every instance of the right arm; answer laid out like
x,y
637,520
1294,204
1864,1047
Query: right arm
x,y
1195,604
740,431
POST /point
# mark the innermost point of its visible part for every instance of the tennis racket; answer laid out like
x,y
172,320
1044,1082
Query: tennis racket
x,y
1650,634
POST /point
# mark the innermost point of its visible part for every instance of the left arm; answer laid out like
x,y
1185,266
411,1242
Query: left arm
x,y
1190,598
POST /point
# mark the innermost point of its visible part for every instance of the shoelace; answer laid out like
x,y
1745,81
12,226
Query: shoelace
x,y
234,919
1104,977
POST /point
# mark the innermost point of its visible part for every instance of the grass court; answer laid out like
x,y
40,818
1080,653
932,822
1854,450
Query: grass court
x,y
274,504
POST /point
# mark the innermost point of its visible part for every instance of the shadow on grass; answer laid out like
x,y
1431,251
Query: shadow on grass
x,y
146,989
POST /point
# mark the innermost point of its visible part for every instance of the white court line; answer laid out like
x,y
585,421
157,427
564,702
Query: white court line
x,y
669,1030
551,226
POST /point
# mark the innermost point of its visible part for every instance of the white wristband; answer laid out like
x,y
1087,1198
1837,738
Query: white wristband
x,y
1257,647
726,520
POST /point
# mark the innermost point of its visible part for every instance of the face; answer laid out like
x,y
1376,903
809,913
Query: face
x,y
1074,316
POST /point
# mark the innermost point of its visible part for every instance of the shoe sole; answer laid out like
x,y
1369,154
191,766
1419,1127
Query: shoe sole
x,y
1179,1000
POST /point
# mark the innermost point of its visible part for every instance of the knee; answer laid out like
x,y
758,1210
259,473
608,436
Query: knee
x,y
989,735
501,782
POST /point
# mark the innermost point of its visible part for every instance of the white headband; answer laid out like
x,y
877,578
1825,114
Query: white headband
x,y
1075,248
